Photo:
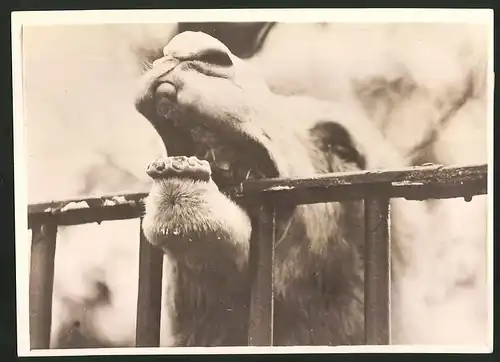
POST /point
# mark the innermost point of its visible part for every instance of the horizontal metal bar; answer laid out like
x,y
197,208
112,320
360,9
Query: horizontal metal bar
x,y
41,280
419,175
415,183
377,272
93,201
149,294
319,194
261,261
88,210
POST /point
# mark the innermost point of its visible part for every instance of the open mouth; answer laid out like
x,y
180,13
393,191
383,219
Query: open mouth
x,y
177,97
233,158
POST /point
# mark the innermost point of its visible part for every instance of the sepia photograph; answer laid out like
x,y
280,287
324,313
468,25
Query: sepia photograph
x,y
253,181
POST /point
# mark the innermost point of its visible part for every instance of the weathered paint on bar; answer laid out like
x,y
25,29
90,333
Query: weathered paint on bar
x,y
410,175
414,183
88,210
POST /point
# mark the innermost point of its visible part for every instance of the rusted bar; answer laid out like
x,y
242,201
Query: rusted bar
x,y
149,294
261,259
417,183
43,248
93,201
418,174
377,271
87,210
409,191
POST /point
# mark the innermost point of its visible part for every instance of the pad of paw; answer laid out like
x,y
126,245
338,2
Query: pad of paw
x,y
180,166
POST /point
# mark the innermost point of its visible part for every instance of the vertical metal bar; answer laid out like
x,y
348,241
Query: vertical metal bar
x,y
377,271
261,260
41,279
149,294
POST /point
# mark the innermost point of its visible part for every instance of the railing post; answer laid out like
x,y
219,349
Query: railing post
x,y
377,271
149,294
41,279
261,266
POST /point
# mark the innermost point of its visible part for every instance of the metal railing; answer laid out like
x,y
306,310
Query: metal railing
x,y
376,188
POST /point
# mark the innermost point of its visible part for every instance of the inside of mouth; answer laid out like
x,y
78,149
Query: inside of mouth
x,y
231,162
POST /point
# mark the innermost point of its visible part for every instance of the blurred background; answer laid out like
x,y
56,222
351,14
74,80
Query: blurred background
x,y
423,84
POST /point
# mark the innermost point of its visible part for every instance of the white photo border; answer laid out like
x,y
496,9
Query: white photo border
x,y
30,18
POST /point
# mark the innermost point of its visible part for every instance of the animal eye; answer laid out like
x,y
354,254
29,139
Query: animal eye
x,y
215,57
333,138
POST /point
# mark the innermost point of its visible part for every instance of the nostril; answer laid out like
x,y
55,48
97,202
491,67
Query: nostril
x,y
215,57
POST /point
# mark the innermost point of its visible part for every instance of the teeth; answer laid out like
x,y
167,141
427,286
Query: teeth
x,y
213,154
225,166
